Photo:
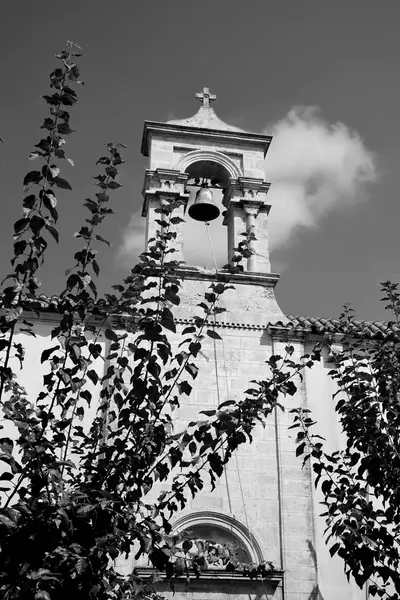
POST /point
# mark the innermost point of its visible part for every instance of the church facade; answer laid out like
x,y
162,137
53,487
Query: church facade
x,y
264,509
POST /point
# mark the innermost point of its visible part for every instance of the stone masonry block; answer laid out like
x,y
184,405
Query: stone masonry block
x,y
254,356
300,573
205,398
299,524
296,487
264,463
267,510
296,503
252,342
299,558
299,586
264,479
265,448
211,501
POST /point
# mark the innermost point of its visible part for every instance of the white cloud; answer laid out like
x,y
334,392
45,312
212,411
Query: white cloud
x,y
314,167
132,240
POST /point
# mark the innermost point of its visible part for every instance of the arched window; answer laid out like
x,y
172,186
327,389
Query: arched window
x,y
210,541
213,548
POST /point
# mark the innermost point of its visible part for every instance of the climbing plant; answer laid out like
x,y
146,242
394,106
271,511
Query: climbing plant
x,y
78,491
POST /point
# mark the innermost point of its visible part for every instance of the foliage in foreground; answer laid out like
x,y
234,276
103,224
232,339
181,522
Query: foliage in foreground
x,y
76,497
361,483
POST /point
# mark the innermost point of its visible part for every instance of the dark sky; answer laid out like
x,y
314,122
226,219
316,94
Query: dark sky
x,y
145,60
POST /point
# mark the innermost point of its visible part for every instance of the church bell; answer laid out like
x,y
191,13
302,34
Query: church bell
x,y
204,207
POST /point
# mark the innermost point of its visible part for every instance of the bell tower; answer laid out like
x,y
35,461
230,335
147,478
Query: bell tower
x,y
205,152
204,148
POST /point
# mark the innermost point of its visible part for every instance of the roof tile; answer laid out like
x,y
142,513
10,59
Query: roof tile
x,y
334,325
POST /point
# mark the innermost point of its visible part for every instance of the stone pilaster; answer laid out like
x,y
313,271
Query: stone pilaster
x,y
247,212
165,186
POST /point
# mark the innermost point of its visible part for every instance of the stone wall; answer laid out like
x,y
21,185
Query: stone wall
x,y
265,489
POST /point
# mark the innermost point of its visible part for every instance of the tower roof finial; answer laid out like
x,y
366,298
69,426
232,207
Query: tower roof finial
x,y
205,97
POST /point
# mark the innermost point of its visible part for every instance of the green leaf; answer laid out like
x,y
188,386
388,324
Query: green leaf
x,y
32,177
7,521
226,403
289,388
111,335
189,329
184,388
93,376
111,171
64,129
101,239
6,445
300,449
47,353
213,334
20,225
96,267
326,486
334,549
168,324
192,369
36,224
95,350
177,220
62,183
69,96
114,185
53,232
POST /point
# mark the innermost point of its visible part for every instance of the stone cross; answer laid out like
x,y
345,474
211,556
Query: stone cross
x,y
205,97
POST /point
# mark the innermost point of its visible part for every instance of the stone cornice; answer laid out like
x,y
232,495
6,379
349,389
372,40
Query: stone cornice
x,y
216,134
217,579
243,278
225,324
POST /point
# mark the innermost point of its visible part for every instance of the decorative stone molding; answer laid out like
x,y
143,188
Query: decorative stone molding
x,y
225,324
221,521
220,581
244,278
164,184
211,156
182,132
250,189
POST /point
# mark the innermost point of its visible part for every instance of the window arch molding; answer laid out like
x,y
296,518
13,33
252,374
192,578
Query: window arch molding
x,y
206,155
225,522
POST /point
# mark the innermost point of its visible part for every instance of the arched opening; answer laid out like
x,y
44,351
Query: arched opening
x,y
212,541
214,548
201,247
